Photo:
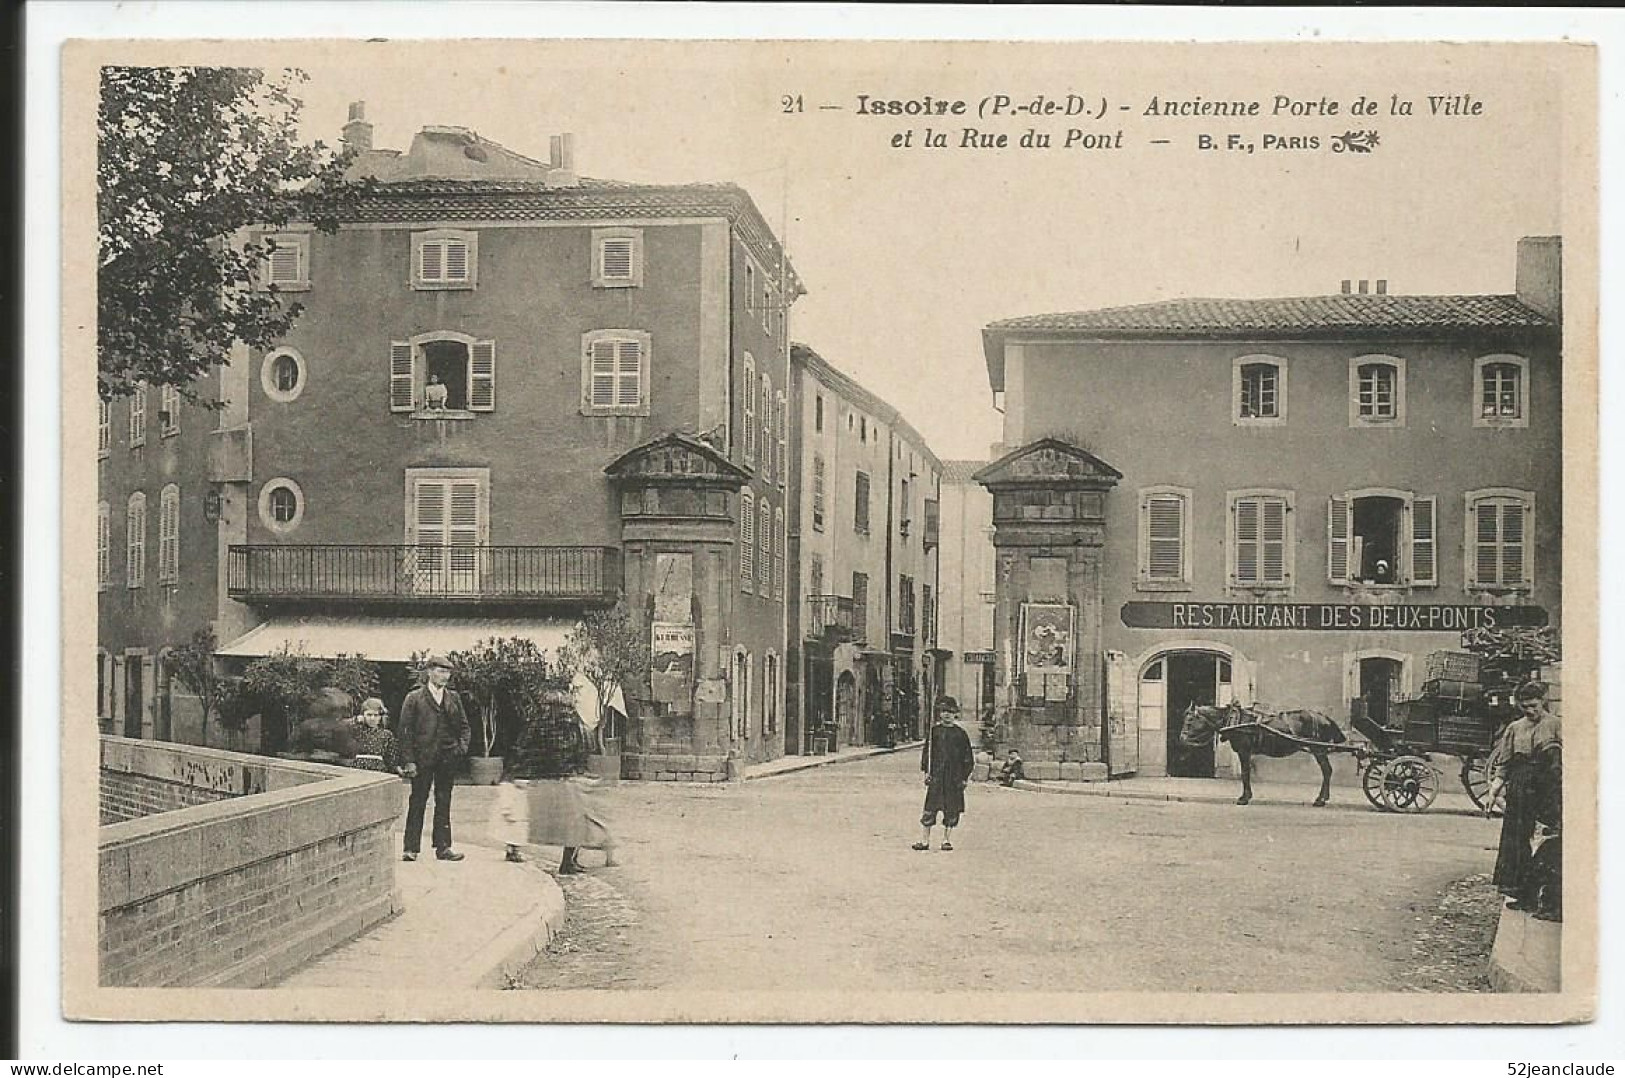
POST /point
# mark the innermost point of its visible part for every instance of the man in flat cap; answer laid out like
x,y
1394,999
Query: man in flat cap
x,y
433,738
947,761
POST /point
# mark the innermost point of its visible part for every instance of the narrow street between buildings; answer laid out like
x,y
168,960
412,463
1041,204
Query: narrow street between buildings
x,y
807,882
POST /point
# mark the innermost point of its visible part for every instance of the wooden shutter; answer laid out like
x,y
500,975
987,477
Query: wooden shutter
x,y
1337,540
818,491
1248,529
1513,543
456,256
1424,541
168,535
767,427
629,374
482,376
747,539
465,526
135,542
431,264
284,262
1272,541
778,554
616,259
784,439
749,395
104,545
402,392
1486,546
600,388
1164,524
764,564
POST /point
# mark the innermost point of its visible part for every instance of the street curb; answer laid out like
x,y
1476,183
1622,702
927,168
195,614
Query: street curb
x,y
826,761
498,962
1101,789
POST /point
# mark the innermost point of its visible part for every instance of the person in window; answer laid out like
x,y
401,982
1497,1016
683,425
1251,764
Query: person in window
x,y
373,745
1383,573
1527,767
434,394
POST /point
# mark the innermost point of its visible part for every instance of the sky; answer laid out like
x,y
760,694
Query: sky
x,y
907,253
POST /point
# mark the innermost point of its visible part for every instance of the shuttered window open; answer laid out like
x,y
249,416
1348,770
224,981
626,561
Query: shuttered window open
x,y
402,392
1337,540
482,376
747,539
1424,541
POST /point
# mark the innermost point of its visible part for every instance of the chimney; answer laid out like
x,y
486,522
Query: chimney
x,y
561,159
1540,274
1382,287
358,132
1365,287
1347,287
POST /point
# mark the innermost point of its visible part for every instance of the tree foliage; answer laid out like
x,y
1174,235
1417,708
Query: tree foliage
x,y
499,674
188,158
610,651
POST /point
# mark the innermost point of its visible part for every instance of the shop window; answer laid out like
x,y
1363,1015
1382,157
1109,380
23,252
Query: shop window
x,y
1500,539
1502,397
1384,538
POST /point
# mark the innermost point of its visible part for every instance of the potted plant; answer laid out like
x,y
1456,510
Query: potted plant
x,y
493,675
609,651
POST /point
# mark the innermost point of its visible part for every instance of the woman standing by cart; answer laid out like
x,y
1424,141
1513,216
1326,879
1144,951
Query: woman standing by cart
x,y
1527,765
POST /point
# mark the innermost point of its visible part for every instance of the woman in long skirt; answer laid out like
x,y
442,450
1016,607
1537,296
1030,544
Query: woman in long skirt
x,y
554,754
1523,767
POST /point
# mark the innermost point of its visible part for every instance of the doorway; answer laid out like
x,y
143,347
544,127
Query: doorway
x,y
1379,685
1192,677
846,708
134,695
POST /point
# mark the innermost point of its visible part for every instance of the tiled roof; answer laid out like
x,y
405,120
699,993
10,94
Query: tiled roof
x,y
961,471
1300,314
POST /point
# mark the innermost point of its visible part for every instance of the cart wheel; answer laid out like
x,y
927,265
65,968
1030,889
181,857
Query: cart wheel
x,y
1410,784
1371,783
1475,779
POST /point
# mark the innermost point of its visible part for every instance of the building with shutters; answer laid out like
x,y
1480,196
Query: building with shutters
x,y
1282,501
514,394
965,614
864,536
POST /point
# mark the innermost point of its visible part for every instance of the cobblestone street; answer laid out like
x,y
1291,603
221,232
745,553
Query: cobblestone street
x,y
807,882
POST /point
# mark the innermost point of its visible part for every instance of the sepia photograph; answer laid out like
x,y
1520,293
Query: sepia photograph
x,y
810,531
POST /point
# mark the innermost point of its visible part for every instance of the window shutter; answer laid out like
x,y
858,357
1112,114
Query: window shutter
x,y
428,519
430,264
747,539
402,393
1164,537
1337,540
767,427
1486,555
1272,540
764,563
284,263
456,256
1247,532
784,439
778,554
135,542
600,389
1512,543
168,534
104,543
464,528
749,401
629,369
616,259
1424,541
818,491
482,376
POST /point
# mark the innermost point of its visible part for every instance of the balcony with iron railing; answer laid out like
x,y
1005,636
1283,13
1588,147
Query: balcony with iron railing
x,y
522,575
834,617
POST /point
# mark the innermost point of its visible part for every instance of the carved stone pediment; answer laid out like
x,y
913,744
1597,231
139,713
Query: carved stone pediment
x,y
1048,462
676,459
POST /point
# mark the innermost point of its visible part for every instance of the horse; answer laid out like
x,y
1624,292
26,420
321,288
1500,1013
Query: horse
x,y
1250,733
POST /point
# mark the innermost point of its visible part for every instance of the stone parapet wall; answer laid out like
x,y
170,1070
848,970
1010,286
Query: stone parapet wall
x,y
125,796
242,890
675,768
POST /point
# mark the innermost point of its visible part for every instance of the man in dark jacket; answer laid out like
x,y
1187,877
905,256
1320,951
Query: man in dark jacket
x,y
433,737
947,761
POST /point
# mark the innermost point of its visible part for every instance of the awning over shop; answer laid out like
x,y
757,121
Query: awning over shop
x,y
395,640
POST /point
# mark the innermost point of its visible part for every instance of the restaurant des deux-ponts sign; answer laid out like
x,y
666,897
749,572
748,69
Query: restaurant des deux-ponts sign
x,y
1389,617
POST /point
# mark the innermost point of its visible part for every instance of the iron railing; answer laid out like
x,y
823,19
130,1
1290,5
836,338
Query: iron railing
x,y
833,616
410,573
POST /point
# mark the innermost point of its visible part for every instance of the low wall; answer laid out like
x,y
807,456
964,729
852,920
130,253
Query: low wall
x,y
674,767
1528,954
284,861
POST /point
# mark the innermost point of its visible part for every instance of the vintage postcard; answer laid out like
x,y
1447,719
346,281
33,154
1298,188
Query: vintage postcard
x,y
829,531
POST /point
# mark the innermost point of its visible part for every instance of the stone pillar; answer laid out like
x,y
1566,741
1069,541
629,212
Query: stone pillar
x,y
1049,520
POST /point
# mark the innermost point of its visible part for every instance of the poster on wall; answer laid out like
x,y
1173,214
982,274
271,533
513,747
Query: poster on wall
x,y
671,660
1046,638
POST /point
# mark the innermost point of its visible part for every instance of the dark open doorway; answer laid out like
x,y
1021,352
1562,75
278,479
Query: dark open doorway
x,y
1193,678
1379,684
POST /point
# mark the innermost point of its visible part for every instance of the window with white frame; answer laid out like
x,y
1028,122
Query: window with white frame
x,y
617,257
764,557
282,374
169,535
1261,542
281,505
1382,537
138,416
445,258
437,374
1501,397
448,513
748,400
286,265
169,411
615,366
818,492
747,540
104,546
1376,391
104,428
135,541
778,554
1165,514
1258,390
1500,539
